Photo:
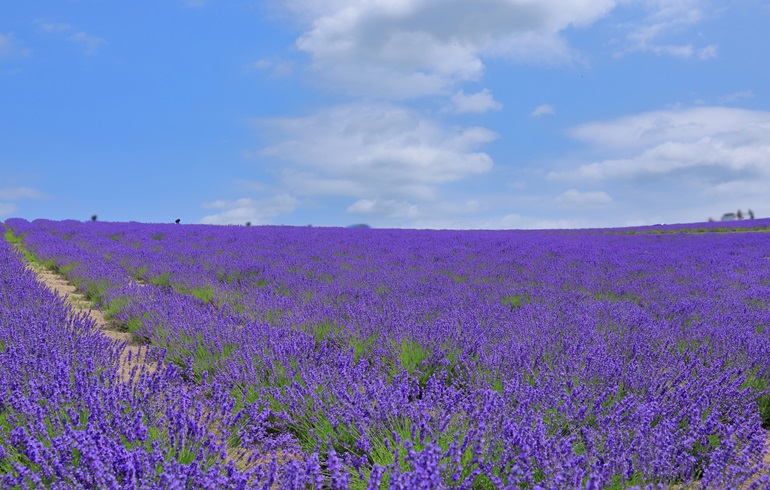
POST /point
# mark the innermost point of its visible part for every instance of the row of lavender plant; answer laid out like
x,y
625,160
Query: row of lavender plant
x,y
551,359
70,419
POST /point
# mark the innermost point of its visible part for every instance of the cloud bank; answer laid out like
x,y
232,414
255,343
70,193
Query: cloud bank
x,y
374,151
405,49
726,151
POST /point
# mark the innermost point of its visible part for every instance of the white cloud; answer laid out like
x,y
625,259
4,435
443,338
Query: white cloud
x,y
91,44
575,197
413,48
256,211
712,146
16,193
375,151
479,102
7,208
543,110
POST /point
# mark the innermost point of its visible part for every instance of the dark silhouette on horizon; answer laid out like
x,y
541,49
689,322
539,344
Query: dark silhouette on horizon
x,y
177,221
93,218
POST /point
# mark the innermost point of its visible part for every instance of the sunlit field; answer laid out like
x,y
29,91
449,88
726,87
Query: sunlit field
x,y
300,357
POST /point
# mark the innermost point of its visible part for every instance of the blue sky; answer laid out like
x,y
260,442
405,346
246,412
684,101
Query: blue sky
x,y
395,113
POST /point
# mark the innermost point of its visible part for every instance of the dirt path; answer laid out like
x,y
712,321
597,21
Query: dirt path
x,y
132,356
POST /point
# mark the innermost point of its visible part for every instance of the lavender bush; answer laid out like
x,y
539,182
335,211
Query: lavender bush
x,y
342,358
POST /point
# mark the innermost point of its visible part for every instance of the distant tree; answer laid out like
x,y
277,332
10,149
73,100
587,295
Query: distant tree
x,y
177,221
93,218
248,223
751,214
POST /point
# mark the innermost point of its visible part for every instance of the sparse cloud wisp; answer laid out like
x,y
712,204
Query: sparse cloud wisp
x,y
9,197
11,47
543,110
88,42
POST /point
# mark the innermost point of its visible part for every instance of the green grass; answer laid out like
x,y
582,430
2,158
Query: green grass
x,y
411,355
18,240
697,231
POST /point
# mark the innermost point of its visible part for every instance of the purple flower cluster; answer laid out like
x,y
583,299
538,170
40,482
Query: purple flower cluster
x,y
68,419
343,358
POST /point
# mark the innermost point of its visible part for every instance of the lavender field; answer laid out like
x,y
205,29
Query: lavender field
x,y
288,357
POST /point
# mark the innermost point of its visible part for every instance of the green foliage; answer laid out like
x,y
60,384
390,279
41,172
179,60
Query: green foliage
x,y
12,238
619,482
240,277
411,355
457,278
515,301
116,305
94,290
205,358
205,294
362,348
760,385
388,448
135,324
139,273
698,230
609,297
65,269
763,401
162,280
18,241
325,331
49,264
